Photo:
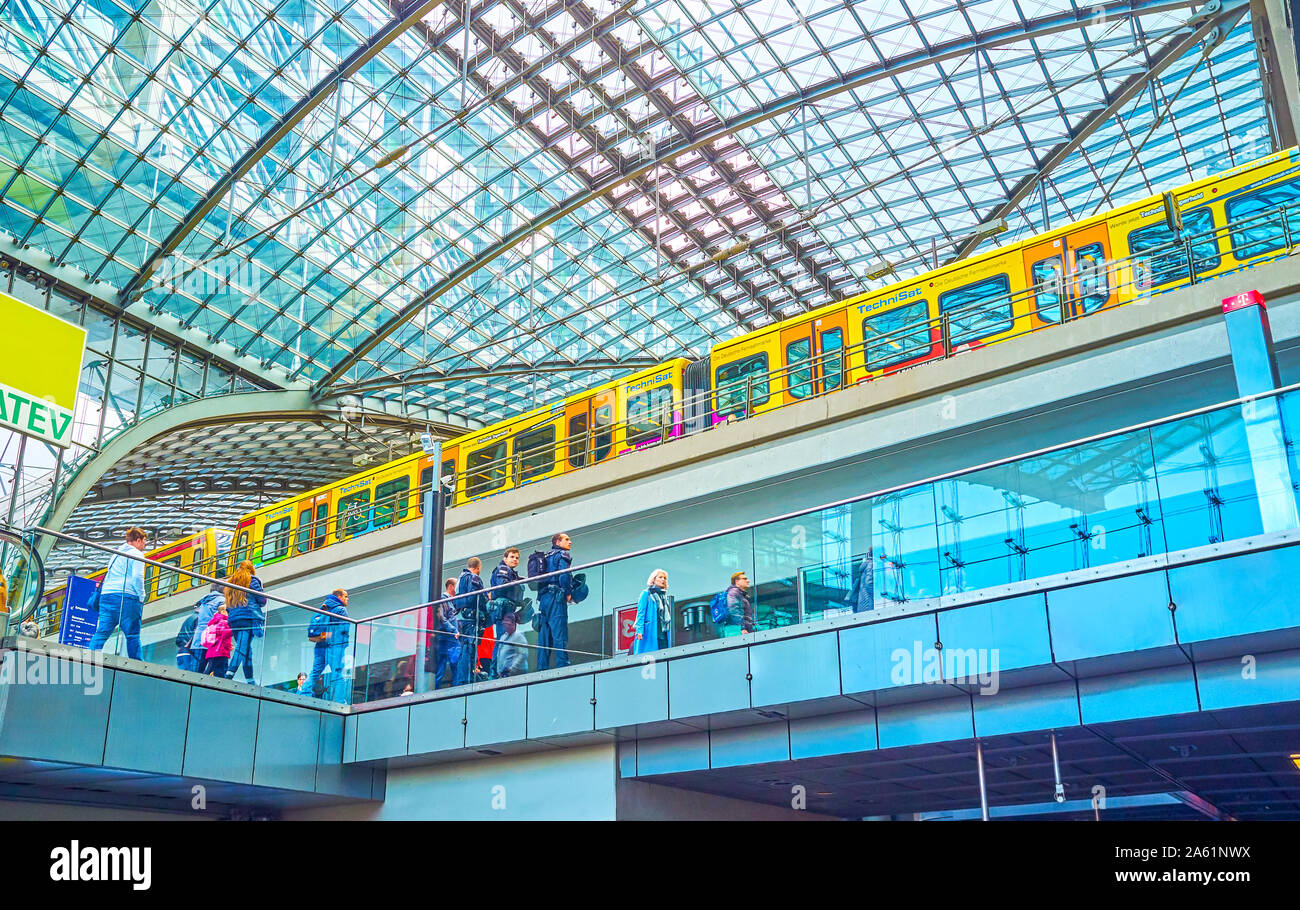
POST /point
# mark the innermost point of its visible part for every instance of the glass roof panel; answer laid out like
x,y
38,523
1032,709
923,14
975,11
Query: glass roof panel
x,y
579,187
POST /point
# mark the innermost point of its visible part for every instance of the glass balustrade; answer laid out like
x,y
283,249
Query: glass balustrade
x,y
1203,478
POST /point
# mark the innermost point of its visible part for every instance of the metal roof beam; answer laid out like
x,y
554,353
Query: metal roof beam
x,y
1130,89
410,13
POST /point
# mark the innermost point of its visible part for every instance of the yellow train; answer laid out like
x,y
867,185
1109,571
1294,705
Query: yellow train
x,y
1230,221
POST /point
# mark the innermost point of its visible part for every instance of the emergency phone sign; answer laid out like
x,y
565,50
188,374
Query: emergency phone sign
x,y
624,629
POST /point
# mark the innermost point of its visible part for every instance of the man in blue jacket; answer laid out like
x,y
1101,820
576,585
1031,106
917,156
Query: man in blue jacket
x,y
331,637
469,611
121,596
554,595
509,599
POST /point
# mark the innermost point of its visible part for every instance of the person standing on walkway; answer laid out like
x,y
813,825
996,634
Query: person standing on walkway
x,y
331,637
247,619
554,594
740,604
653,615
121,596
469,613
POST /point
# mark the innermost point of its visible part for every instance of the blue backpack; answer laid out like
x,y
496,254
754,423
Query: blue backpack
x,y
537,566
318,625
718,607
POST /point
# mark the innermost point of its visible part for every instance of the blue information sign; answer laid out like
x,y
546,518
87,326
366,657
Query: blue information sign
x,y
79,620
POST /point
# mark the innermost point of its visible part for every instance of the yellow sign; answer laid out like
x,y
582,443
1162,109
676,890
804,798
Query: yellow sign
x,y
40,368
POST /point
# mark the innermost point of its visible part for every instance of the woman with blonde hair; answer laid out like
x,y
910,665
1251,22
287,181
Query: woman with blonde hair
x,y
654,615
247,618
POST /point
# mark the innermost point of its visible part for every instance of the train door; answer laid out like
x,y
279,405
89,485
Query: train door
x,y
813,356
589,428
1068,275
313,514
446,472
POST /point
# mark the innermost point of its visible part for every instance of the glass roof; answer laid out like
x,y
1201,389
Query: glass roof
x,y
480,219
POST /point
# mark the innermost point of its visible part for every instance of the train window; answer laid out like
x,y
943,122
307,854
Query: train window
x,y
897,336
578,440
1166,259
304,530
149,572
648,413
535,451
1262,229
168,581
979,309
798,360
353,514
275,539
832,366
603,431
241,547
426,484
1090,282
322,525
448,475
1045,276
390,501
730,382
196,565
486,469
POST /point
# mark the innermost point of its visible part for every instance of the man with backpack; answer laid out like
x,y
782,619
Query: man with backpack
x,y
331,637
733,607
554,594
509,599
470,614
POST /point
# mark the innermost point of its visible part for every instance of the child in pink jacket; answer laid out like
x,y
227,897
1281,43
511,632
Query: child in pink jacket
x,y
219,641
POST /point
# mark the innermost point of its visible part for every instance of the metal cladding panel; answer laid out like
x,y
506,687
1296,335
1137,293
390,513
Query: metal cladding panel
x,y
797,669
708,683
632,695
288,743
350,737
1013,630
147,724
749,745
627,758
333,773
833,734
437,726
561,707
1237,595
1147,693
27,709
382,734
1109,617
222,736
669,754
934,721
500,716
1251,679
866,653
1021,710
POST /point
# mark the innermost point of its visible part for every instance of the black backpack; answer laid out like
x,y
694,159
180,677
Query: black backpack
x,y
536,566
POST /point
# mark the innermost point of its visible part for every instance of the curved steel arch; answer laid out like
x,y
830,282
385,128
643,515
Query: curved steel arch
x,y
1022,31
242,407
